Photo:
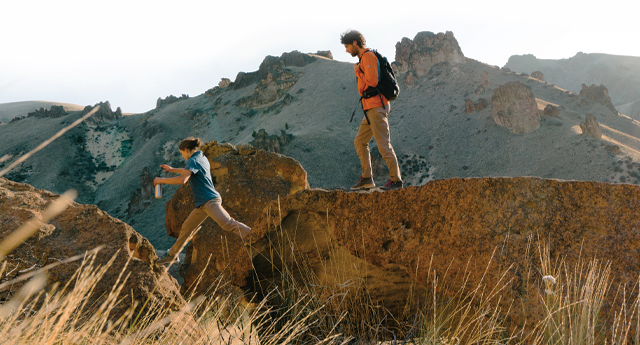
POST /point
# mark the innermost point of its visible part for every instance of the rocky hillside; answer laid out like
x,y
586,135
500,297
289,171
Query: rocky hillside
x,y
455,117
619,74
9,111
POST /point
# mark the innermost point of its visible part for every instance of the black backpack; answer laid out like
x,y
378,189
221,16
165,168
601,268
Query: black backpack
x,y
387,83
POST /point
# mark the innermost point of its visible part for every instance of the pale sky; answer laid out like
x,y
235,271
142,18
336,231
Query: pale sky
x,y
131,52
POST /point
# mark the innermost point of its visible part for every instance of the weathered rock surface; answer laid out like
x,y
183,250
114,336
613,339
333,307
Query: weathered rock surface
x,y
484,226
598,94
104,115
621,74
537,75
325,53
591,127
469,106
55,112
75,231
425,50
273,78
161,102
515,107
551,110
141,198
247,183
271,143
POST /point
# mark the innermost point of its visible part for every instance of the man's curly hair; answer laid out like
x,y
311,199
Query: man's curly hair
x,y
353,35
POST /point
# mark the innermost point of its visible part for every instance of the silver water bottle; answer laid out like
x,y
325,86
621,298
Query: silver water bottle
x,y
158,191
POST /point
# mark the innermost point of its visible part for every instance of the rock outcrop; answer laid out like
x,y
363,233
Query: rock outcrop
x,y
161,102
551,110
325,53
591,127
55,112
425,50
142,197
537,75
273,78
485,227
81,228
247,183
104,115
598,94
515,107
271,143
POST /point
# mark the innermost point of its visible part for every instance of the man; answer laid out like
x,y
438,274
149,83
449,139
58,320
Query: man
x,y
375,123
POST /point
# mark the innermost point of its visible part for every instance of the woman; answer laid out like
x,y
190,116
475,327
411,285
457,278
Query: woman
x,y
205,197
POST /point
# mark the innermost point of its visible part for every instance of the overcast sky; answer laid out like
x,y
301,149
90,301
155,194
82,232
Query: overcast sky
x,y
131,52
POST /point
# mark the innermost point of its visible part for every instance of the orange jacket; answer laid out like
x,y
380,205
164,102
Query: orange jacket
x,y
367,73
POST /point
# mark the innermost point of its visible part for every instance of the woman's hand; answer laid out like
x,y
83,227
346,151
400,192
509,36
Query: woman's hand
x,y
157,181
166,168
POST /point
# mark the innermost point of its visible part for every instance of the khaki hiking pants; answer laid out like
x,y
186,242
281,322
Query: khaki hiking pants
x,y
379,130
212,208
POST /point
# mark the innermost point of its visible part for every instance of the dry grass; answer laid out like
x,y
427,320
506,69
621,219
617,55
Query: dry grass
x,y
297,309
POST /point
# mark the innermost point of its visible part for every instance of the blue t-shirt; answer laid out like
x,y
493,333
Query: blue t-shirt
x,y
200,181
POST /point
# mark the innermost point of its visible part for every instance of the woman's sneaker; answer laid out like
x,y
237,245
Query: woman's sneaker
x,y
365,182
392,185
168,259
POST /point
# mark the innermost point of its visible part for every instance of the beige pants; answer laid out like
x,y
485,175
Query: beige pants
x,y
379,130
212,208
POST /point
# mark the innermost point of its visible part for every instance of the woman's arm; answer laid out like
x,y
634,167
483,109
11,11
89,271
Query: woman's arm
x,y
167,168
181,179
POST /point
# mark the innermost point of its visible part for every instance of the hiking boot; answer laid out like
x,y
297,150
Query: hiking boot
x,y
168,259
365,182
392,185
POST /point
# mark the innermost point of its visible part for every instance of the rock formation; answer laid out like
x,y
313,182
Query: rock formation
x,y
247,183
469,107
426,50
273,79
141,198
75,231
271,143
55,112
325,53
515,107
481,104
161,102
104,115
591,127
537,75
483,226
551,110
598,94
224,82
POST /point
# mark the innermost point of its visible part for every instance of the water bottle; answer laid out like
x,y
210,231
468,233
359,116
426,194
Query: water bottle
x,y
158,191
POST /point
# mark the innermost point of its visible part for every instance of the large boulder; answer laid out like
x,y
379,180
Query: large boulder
x,y
515,107
247,181
591,127
462,231
81,228
425,50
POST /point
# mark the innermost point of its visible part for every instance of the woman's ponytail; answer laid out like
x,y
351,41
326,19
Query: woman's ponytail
x,y
190,144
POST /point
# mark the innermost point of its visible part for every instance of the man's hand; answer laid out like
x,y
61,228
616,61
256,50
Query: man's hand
x,y
356,67
166,168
